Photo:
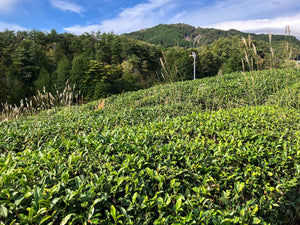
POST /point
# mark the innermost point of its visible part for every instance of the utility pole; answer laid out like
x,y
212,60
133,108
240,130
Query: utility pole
x,y
194,55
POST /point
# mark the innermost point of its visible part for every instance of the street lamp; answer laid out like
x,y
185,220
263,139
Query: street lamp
x,y
194,55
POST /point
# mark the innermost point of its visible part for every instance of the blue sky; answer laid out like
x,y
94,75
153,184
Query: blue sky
x,y
123,16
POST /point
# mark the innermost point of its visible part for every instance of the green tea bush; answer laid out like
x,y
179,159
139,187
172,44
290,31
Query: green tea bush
x,y
223,167
223,150
289,96
220,92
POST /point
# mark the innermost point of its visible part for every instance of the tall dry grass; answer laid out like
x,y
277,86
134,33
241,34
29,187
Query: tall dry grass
x,y
168,73
42,101
289,95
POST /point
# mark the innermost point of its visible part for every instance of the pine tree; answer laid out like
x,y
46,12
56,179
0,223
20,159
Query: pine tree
x,y
63,73
77,74
44,80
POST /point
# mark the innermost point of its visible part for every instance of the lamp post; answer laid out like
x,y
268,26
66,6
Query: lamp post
x,y
194,55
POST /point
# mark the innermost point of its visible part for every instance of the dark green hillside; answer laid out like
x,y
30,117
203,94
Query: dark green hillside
x,y
221,150
166,35
184,35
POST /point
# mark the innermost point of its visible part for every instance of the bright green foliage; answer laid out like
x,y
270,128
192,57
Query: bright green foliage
x,y
289,96
199,152
236,165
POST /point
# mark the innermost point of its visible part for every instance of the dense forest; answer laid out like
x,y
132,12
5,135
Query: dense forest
x,y
97,64
101,64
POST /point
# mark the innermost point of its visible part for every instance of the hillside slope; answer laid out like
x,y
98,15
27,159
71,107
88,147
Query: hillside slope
x,y
188,36
221,150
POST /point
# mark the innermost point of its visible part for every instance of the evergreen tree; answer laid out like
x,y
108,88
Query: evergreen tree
x,y
208,63
96,73
63,73
77,74
102,90
116,50
44,80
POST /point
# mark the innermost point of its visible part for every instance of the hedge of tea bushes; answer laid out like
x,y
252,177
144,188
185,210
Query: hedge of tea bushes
x,y
238,166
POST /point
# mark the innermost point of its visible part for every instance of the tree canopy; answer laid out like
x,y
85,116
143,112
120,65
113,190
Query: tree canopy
x,y
101,64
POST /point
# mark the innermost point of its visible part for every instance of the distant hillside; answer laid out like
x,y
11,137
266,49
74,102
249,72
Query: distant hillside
x,y
184,35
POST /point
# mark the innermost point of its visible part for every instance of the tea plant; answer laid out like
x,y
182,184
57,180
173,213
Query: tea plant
x,y
197,152
235,166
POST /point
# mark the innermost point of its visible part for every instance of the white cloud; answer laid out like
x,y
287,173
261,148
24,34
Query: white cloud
x,y
246,15
231,10
7,5
9,26
130,19
67,6
77,29
252,16
276,25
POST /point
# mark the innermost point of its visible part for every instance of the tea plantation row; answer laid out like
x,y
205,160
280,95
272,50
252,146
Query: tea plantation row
x,y
160,156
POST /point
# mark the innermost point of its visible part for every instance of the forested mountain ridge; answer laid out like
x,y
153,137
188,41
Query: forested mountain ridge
x,y
184,35
102,64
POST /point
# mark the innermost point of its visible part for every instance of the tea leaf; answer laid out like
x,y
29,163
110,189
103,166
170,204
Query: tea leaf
x,y
134,197
3,211
66,219
256,220
113,212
